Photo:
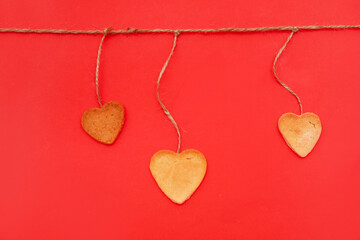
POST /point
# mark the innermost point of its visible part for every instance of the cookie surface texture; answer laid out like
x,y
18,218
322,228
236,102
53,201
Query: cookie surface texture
x,y
301,133
104,124
178,174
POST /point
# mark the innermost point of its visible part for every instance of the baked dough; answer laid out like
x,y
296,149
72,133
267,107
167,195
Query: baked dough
x,y
178,175
104,124
300,132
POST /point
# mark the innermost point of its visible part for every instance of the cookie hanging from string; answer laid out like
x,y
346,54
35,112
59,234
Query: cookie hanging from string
x,y
105,123
178,174
300,132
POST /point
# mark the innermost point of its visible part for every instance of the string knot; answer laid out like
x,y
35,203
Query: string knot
x,y
108,30
295,29
177,33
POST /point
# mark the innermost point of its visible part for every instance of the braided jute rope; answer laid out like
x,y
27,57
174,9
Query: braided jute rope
x,y
176,32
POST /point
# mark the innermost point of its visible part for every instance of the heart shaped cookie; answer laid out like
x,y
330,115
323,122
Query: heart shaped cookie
x,y
300,132
104,124
178,174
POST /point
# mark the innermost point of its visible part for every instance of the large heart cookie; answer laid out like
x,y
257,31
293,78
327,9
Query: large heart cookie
x,y
104,124
300,132
178,174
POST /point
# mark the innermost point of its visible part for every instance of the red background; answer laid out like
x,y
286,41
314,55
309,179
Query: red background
x,y
58,183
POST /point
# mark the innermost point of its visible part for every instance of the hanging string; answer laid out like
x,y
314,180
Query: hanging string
x,y
276,76
202,30
176,34
105,32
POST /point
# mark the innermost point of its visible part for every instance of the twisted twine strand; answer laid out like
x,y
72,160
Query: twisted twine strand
x,y
276,76
105,32
176,34
201,30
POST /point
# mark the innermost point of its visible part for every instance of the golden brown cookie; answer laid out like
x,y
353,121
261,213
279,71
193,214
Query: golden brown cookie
x,y
300,132
104,124
178,174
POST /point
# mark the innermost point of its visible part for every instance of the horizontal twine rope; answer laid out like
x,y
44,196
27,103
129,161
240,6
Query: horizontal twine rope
x,y
201,30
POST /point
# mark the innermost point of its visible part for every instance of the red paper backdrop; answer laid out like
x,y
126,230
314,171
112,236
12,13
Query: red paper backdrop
x,y
58,183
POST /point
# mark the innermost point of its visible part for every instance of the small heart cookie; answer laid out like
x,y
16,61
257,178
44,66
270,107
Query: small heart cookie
x,y
300,132
104,124
178,174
